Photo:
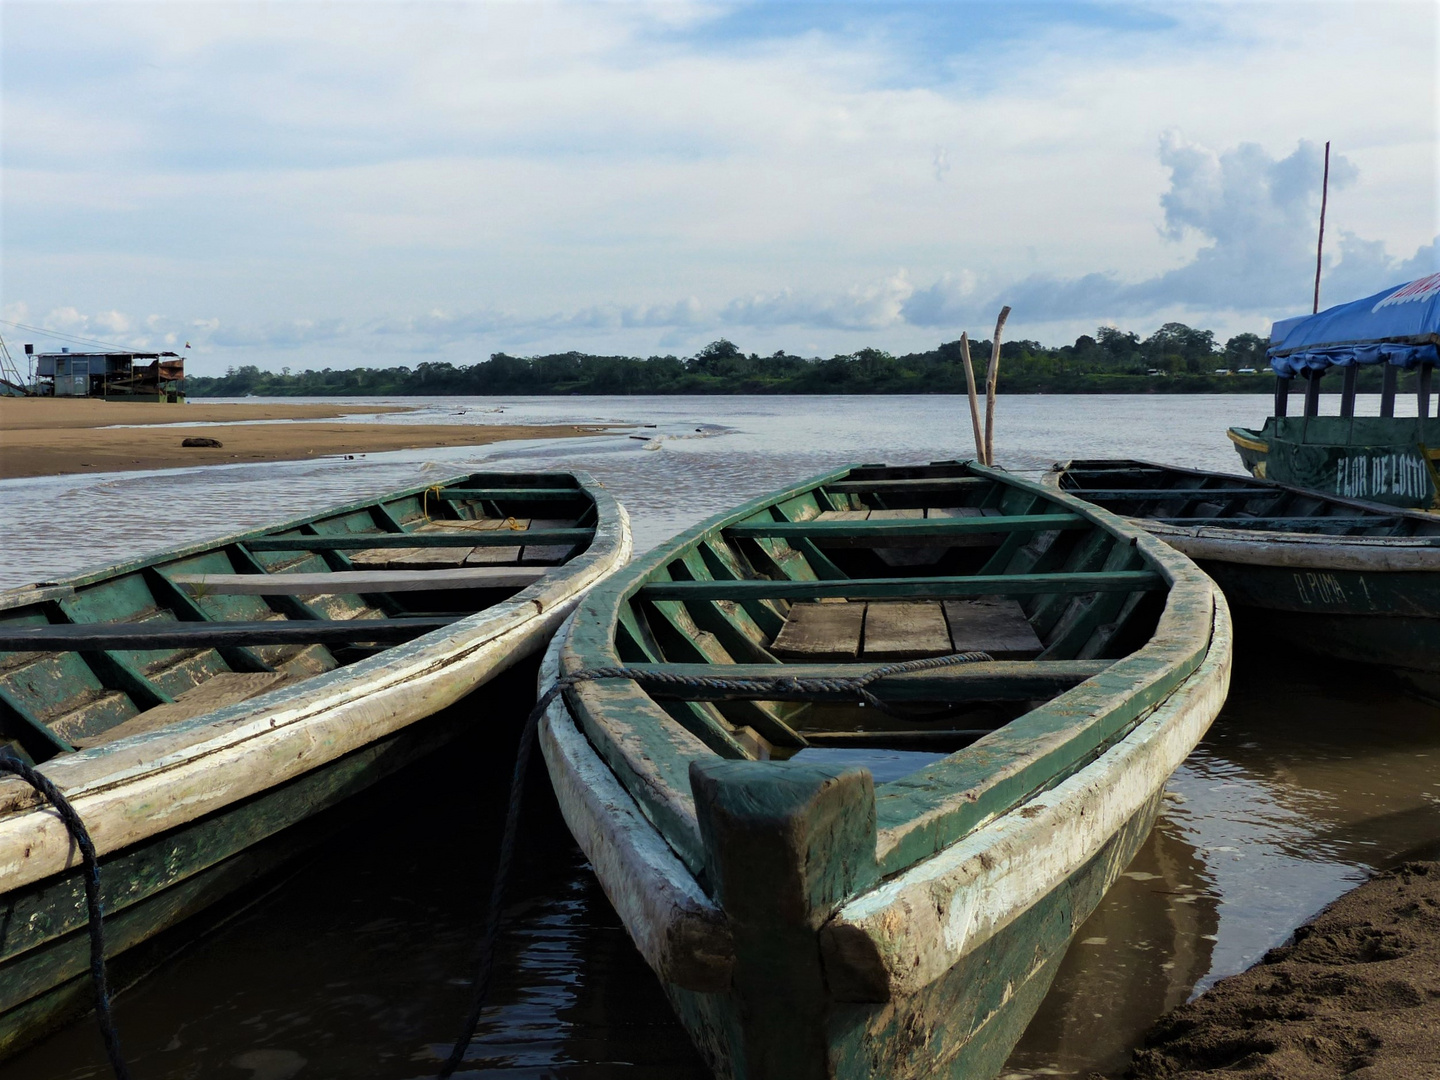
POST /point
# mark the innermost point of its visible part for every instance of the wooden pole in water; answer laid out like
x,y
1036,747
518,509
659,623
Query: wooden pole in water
x,y
974,398
992,374
1320,243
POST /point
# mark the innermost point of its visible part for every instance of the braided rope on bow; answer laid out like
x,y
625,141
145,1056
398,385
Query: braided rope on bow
x,y
780,687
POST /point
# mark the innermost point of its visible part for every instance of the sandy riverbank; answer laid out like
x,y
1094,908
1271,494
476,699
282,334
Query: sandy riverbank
x,y
53,437
1356,994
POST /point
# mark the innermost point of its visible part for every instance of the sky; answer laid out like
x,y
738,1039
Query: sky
x,y
309,184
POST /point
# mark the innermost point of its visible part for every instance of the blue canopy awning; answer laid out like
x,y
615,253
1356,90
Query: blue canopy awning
x,y
1399,326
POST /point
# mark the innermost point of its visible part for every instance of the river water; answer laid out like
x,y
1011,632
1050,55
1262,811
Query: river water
x,y
356,964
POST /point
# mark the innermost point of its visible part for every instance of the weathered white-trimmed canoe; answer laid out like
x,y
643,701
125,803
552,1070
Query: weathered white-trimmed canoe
x,y
806,921
1354,580
198,705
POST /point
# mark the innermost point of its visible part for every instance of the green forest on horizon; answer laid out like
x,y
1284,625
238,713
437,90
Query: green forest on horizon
x,y
1175,359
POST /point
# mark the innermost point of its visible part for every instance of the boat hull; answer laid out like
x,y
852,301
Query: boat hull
x,y
185,815
1012,894
1390,620
153,887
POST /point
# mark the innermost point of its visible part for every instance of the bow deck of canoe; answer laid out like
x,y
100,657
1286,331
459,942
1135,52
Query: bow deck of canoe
x,y
1340,577
197,704
805,920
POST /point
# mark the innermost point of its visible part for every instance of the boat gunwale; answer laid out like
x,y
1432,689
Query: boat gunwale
x,y
29,832
923,822
1250,439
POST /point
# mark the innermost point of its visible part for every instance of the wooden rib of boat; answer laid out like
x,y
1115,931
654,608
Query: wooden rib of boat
x,y
807,917
1354,580
198,705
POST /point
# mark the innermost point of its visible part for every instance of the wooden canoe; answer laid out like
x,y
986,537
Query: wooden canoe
x,y
198,705
810,922
1340,577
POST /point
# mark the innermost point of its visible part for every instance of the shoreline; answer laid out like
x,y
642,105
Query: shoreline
x,y
58,437
1354,993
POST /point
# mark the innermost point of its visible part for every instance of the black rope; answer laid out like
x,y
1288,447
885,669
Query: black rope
x,y
81,837
781,685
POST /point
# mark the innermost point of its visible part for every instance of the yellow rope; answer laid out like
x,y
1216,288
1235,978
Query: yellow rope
x,y
425,500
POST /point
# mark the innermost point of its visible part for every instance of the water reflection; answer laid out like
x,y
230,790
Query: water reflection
x,y
1313,776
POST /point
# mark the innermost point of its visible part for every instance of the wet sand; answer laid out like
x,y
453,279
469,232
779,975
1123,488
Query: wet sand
x,y
55,437
1355,994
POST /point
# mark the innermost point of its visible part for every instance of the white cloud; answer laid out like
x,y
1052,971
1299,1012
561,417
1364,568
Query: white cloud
x,y
560,176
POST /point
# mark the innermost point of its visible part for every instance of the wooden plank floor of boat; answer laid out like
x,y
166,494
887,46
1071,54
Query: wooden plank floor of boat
x,y
906,630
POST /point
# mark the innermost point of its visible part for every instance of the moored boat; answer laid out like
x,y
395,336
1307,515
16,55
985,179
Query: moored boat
x,y
1339,577
201,706
880,743
1386,458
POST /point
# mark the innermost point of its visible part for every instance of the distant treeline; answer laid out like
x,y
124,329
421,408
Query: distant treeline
x,y
1174,359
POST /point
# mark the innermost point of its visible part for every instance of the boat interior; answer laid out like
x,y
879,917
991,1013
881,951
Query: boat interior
x,y
878,567
135,647
1174,496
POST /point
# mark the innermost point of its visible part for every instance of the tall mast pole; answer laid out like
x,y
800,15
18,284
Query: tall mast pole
x,y
1320,243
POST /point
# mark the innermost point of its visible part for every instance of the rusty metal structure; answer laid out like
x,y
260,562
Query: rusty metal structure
x,y
114,376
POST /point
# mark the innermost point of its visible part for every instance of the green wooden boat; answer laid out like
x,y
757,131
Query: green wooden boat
x,y
830,889
196,706
1354,580
1386,458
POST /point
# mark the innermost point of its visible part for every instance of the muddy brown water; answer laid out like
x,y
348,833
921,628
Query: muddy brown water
x,y
356,961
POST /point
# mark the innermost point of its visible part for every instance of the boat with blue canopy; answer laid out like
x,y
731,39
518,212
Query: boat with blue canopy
x,y
1387,458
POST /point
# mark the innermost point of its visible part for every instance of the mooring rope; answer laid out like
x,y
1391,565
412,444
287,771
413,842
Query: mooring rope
x,y
779,685
78,833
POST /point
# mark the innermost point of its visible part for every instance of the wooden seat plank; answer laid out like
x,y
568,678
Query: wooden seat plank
x,y
160,634
994,625
821,632
419,558
933,588
361,581
842,515
216,692
905,630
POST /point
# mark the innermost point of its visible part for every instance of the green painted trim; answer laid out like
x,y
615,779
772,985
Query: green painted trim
x,y
901,529
861,487
486,538
501,494
890,588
